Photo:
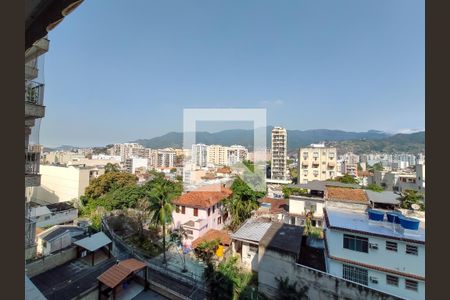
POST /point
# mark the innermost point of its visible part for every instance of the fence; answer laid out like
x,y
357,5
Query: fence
x,y
32,162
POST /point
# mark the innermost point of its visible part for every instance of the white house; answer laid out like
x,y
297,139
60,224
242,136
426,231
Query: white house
x,y
53,214
56,238
382,255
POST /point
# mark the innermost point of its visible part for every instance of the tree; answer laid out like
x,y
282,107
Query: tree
x,y
109,182
288,191
288,291
141,215
347,179
161,195
410,197
374,187
177,236
109,167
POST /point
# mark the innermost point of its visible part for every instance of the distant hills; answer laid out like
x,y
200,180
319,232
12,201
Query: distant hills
x,y
357,142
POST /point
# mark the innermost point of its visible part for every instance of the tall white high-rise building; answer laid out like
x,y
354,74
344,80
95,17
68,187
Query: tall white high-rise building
x,y
217,155
199,156
279,154
236,153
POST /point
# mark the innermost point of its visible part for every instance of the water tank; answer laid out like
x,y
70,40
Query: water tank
x,y
409,223
375,215
394,216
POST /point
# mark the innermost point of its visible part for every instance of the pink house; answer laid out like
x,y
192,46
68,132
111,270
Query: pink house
x,y
201,210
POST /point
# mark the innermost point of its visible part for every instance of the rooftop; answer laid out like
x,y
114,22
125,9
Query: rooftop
x,y
57,230
252,230
222,235
318,185
94,242
346,194
358,221
276,205
203,197
119,272
385,197
283,237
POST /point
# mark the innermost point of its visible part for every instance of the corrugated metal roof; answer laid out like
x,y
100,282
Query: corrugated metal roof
x,y
114,276
94,242
253,230
132,264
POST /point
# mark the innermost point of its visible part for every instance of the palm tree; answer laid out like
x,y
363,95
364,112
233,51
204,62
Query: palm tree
x,y
177,236
109,167
410,197
240,210
161,196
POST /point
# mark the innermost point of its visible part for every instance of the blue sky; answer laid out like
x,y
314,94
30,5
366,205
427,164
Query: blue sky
x,y
122,70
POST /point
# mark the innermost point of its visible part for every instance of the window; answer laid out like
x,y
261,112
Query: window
x,y
253,248
183,210
219,220
209,212
214,208
391,246
195,212
355,274
356,243
392,280
410,249
177,208
411,284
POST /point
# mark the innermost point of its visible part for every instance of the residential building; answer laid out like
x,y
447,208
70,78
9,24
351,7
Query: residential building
x,y
57,238
61,183
382,255
60,157
277,210
279,168
217,155
321,194
199,155
420,177
53,214
350,169
200,210
34,112
166,158
245,242
350,158
317,162
398,181
236,153
127,150
132,164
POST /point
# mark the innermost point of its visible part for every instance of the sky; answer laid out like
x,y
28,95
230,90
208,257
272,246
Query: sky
x,y
117,71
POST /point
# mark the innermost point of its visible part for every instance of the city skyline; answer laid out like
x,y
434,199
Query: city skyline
x,y
132,79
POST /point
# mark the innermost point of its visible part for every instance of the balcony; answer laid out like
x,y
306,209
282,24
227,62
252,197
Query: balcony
x,y
32,162
34,100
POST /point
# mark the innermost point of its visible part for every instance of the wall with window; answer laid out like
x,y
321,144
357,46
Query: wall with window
x,y
297,206
399,286
409,257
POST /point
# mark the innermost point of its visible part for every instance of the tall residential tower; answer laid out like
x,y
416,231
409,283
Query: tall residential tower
x,y
279,154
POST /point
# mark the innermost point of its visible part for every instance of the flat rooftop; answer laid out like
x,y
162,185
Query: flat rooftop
x,y
358,221
253,230
318,185
384,197
284,238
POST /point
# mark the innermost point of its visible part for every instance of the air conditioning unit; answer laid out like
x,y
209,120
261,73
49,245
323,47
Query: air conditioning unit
x,y
373,279
373,246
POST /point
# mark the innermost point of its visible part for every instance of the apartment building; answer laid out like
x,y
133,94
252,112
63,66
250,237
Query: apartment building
x,y
199,155
63,183
317,162
396,180
34,111
420,177
279,168
236,153
217,155
386,253
132,164
127,150
201,210
166,158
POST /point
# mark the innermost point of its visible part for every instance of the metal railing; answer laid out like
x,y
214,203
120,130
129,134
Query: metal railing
x,y
32,162
34,92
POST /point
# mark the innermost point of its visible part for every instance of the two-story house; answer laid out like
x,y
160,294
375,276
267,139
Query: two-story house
x,y
384,251
201,210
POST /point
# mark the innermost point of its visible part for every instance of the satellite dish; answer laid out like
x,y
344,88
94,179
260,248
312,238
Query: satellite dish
x,y
415,206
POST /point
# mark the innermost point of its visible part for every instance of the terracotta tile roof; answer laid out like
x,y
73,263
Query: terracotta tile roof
x,y
345,194
203,197
224,170
213,234
276,205
118,273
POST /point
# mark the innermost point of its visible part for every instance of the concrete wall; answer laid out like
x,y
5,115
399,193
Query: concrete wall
x,y
346,205
321,285
50,262
57,218
297,206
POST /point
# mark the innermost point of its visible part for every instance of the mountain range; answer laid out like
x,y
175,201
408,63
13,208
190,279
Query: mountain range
x,y
358,142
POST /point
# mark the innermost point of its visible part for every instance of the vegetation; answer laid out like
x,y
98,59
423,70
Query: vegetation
x,y
375,167
289,291
109,182
410,197
347,179
228,281
161,196
109,167
375,187
288,191
242,202
177,236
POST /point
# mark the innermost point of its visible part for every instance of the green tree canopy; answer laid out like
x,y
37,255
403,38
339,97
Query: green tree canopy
x,y
375,187
109,182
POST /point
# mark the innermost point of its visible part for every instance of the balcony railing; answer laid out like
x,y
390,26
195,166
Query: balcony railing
x,y
34,92
32,161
